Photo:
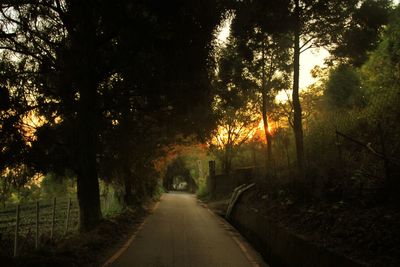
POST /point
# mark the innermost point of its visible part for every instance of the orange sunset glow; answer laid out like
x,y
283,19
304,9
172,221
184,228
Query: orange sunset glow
x,y
255,133
259,134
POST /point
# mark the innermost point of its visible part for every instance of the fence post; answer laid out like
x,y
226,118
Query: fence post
x,y
53,216
37,226
16,231
68,212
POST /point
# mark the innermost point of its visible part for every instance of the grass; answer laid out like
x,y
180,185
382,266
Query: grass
x,y
88,249
202,192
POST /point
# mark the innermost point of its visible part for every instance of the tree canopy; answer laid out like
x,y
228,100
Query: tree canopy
x,y
96,71
98,89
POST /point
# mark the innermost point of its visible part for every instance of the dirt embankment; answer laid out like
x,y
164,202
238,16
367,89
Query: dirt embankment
x,y
368,234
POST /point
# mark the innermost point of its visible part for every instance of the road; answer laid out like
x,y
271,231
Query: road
x,y
182,233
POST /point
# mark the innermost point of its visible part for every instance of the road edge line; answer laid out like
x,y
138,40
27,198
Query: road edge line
x,y
121,251
256,259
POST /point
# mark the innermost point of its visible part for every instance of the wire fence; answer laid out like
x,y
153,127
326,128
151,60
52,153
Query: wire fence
x,y
29,224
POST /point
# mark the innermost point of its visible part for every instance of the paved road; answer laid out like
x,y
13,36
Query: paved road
x,y
182,233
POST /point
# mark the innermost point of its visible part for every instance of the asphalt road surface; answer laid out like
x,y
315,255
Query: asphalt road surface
x,y
183,233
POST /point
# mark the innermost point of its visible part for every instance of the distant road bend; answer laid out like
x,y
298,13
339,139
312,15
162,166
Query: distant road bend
x,y
182,233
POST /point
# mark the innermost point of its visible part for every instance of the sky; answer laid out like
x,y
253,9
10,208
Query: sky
x,y
308,59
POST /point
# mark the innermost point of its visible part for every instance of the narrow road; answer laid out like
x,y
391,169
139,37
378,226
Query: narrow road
x,y
182,233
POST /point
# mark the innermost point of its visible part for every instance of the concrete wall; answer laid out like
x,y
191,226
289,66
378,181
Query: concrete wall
x,y
225,184
279,247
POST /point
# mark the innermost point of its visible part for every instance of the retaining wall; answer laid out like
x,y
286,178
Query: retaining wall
x,y
223,185
279,247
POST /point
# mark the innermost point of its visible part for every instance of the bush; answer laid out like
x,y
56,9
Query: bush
x,y
202,192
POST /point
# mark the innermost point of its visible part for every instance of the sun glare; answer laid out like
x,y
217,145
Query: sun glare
x,y
224,33
308,60
254,134
30,123
224,30
261,127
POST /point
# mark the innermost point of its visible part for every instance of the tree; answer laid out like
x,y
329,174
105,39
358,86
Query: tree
x,y
235,103
268,67
164,90
310,32
343,88
312,24
380,82
362,34
14,109
236,126
264,48
70,49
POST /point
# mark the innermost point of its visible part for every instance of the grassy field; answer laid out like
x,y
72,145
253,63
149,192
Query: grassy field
x,y
27,222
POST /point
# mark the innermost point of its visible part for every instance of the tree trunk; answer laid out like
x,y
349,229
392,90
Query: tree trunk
x,y
228,159
268,135
87,181
264,93
128,196
297,122
82,33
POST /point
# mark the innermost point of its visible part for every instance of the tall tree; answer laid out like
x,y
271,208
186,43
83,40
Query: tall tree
x,y
362,34
317,24
269,67
64,43
314,23
70,49
264,47
343,87
381,85
165,88
235,103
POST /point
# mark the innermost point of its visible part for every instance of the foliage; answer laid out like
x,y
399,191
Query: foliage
x,y
343,88
235,104
356,164
99,74
236,127
362,35
53,185
104,90
349,115
202,192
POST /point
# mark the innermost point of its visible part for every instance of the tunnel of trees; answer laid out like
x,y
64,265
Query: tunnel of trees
x,y
178,177
97,91
106,85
